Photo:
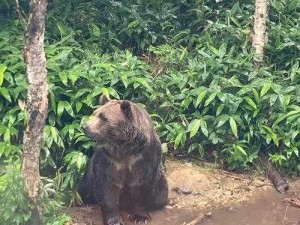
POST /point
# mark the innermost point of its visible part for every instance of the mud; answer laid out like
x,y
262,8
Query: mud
x,y
231,199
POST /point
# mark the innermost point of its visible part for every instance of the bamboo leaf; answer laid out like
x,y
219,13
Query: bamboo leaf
x,y
183,54
265,89
240,149
178,140
200,97
194,127
210,99
233,126
60,108
2,70
204,129
250,102
220,109
4,92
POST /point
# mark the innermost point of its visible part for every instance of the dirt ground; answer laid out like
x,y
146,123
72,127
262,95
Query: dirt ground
x,y
201,190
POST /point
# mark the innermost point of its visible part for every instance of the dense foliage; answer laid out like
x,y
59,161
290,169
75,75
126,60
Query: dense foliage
x,y
189,62
15,208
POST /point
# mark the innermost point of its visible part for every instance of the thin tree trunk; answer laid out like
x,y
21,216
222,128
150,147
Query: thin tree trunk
x,y
259,31
37,105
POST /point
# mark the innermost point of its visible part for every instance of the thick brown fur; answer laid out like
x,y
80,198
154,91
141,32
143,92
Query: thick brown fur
x,y
126,171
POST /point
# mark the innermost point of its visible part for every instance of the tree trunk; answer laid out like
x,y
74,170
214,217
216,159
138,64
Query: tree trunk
x,y
259,31
37,105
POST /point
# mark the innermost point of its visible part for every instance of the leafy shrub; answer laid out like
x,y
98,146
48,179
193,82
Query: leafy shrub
x,y
15,208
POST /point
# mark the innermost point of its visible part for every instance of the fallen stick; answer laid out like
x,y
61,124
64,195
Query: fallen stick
x,y
230,175
198,219
293,201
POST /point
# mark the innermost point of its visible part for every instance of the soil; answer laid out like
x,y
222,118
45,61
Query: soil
x,y
216,196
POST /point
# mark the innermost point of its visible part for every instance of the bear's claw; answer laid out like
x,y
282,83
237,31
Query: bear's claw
x,y
139,218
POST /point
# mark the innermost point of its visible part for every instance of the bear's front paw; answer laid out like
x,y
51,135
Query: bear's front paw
x,y
115,221
140,217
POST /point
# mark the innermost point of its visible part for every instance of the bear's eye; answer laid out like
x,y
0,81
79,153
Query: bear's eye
x,y
102,116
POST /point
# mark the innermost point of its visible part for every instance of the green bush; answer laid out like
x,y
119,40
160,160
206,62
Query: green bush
x,y
14,206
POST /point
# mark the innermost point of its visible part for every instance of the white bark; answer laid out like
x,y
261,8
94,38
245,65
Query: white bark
x,y
259,30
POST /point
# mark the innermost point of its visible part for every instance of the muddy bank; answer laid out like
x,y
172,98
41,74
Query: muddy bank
x,y
233,199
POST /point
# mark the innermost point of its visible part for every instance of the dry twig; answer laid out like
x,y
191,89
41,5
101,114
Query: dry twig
x,y
198,219
293,201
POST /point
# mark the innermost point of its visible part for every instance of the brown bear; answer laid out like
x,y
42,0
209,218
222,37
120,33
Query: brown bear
x,y
126,170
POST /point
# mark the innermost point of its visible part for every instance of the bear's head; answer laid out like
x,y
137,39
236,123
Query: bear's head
x,y
118,123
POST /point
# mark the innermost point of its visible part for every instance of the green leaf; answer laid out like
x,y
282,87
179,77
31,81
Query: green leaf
x,y
133,24
6,136
2,70
64,30
180,35
178,140
273,99
234,20
200,97
250,102
204,129
220,109
73,75
60,108
271,134
233,126
183,54
294,4
78,106
194,127
213,49
192,147
256,95
69,109
222,50
94,30
265,89
63,77
240,149
54,134
4,92
293,112
210,99
144,82
71,131
124,79
52,101
279,119
222,119
105,91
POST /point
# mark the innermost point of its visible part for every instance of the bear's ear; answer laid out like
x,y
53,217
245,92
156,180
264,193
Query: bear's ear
x,y
104,99
126,108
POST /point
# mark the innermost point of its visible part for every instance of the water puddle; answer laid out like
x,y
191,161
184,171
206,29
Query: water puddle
x,y
268,209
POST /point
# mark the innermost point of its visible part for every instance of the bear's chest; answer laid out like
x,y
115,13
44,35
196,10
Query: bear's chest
x,y
130,171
